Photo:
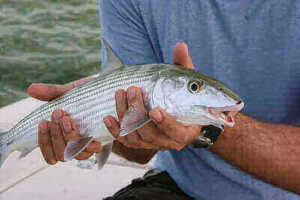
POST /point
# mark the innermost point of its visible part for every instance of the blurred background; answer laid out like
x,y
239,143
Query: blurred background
x,y
50,41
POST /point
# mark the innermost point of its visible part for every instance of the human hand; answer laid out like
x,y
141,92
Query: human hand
x,y
164,132
53,136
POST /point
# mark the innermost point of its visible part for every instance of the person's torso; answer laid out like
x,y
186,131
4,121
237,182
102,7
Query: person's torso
x,y
252,46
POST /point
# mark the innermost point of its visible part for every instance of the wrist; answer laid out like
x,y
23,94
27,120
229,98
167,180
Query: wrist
x,y
140,156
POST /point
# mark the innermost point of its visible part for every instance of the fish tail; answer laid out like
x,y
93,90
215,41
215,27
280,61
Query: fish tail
x,y
3,146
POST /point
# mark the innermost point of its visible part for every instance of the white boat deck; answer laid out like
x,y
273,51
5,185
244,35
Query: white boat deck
x,y
31,178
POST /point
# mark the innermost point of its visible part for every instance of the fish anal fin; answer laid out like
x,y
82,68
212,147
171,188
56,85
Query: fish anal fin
x,y
103,156
75,147
132,120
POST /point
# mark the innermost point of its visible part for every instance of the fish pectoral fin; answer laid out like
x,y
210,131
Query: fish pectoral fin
x,y
132,120
75,147
103,156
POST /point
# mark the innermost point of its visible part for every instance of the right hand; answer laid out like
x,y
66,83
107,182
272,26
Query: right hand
x,y
53,136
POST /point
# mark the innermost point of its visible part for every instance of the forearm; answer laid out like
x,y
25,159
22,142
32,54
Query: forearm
x,y
268,151
141,156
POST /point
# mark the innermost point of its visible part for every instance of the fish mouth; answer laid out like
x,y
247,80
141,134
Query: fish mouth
x,y
225,114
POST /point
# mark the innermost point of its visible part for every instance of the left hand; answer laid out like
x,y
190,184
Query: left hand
x,y
164,132
53,135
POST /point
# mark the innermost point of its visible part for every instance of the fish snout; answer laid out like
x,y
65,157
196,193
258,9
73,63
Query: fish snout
x,y
226,113
239,105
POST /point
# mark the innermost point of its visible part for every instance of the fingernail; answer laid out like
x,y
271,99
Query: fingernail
x,y
156,115
67,126
107,122
131,93
43,127
57,115
119,95
52,162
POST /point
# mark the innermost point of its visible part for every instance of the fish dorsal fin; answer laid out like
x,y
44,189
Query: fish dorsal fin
x,y
132,120
112,60
75,147
102,157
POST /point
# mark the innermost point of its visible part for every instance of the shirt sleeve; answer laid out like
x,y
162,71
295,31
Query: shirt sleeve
x,y
123,29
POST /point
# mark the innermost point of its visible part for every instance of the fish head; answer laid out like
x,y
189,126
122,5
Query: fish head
x,y
194,98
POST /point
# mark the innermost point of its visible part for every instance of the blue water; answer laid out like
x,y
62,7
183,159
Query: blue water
x,y
50,41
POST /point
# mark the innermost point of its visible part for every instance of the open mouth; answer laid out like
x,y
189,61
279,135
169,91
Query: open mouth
x,y
226,113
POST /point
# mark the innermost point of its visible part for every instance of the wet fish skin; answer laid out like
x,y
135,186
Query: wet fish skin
x,y
167,86
87,104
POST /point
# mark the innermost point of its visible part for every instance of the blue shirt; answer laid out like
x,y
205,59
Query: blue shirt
x,y
252,46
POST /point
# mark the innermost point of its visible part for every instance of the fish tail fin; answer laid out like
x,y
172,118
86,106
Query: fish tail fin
x,y
3,147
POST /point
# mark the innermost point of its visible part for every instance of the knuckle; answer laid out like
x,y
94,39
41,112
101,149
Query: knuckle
x,y
155,141
168,126
131,87
66,119
56,133
147,138
134,142
185,139
138,145
56,111
178,147
188,138
129,145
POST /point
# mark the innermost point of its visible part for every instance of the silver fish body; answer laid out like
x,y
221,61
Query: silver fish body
x,y
188,95
87,104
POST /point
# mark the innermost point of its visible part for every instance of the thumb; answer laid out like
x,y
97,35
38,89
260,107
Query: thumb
x,y
47,92
181,56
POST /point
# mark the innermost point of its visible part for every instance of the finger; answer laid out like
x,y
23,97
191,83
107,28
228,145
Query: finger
x,y
150,134
45,143
172,128
181,56
134,97
79,82
147,136
135,140
69,129
83,156
121,103
70,133
47,92
113,127
93,147
57,135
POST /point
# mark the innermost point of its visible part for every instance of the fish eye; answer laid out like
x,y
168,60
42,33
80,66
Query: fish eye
x,y
194,87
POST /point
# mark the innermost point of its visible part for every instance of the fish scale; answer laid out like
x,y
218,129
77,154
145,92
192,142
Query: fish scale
x,y
85,103
165,85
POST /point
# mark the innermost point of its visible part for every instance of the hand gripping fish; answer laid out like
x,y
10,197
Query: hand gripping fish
x,y
186,94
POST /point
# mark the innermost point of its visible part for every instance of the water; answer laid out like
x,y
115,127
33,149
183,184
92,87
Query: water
x,y
49,41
